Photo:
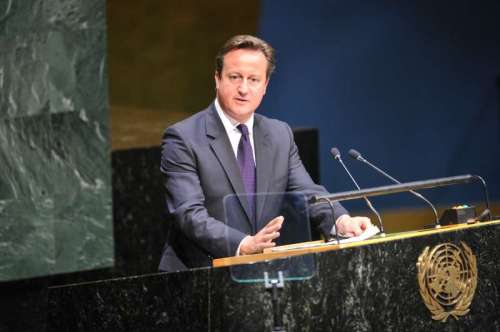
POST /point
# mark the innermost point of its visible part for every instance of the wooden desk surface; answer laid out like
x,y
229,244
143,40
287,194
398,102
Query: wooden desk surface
x,y
321,246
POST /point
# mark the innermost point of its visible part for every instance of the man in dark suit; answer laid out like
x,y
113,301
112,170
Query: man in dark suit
x,y
228,149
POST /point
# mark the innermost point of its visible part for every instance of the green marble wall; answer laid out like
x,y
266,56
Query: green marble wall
x,y
55,195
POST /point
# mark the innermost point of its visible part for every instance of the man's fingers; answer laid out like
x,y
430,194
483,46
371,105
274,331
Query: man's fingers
x,y
272,229
275,222
353,226
269,230
272,226
263,239
356,229
259,242
265,244
270,236
363,222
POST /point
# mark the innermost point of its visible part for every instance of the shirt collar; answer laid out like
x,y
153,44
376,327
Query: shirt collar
x,y
231,124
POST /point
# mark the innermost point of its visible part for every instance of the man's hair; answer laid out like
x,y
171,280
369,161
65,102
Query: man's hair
x,y
246,42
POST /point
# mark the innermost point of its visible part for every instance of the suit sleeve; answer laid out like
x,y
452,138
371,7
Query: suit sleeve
x,y
185,199
300,180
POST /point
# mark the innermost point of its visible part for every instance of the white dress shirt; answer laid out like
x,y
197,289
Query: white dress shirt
x,y
231,126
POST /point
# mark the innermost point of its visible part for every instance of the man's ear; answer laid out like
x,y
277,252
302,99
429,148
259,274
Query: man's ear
x,y
265,86
217,79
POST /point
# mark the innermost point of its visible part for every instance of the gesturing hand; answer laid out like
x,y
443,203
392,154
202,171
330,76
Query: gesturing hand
x,y
263,239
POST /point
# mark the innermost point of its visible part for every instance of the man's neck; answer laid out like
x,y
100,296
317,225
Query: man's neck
x,y
233,121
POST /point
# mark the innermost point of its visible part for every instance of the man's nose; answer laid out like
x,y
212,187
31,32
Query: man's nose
x,y
243,87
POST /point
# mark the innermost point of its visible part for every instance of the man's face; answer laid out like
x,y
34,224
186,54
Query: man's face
x,y
242,83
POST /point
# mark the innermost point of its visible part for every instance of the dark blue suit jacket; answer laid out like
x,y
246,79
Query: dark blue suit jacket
x,y
200,170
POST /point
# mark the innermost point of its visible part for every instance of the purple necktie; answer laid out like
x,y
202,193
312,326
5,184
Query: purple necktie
x,y
247,166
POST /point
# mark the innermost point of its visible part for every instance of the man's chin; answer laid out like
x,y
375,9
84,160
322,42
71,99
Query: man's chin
x,y
241,114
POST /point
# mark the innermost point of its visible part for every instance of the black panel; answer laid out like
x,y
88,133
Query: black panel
x,y
308,144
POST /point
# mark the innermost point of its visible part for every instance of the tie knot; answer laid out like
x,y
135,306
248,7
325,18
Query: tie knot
x,y
243,128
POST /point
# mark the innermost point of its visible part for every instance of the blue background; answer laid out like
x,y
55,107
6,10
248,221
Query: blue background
x,y
412,85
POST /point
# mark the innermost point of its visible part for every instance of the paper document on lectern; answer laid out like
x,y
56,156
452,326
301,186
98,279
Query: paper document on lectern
x,y
368,233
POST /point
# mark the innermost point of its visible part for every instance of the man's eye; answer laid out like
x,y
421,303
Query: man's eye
x,y
233,77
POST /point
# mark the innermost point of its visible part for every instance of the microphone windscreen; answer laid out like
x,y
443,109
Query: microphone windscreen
x,y
354,154
335,152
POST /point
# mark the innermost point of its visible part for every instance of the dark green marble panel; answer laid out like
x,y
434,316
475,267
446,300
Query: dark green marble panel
x,y
82,197
53,58
55,194
27,235
53,72
56,216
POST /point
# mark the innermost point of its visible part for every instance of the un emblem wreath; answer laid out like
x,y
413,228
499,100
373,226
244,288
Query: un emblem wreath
x,y
447,276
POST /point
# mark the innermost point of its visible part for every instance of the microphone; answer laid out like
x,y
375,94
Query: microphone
x,y
485,215
336,155
357,156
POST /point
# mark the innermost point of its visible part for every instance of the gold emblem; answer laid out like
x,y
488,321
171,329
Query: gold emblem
x,y
447,276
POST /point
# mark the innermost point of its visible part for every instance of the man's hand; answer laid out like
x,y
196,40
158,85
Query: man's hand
x,y
263,239
348,226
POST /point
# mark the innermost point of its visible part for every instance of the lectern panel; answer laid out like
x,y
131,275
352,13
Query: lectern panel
x,y
376,286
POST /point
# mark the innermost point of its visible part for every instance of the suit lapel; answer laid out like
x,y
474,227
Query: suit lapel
x,y
264,159
221,146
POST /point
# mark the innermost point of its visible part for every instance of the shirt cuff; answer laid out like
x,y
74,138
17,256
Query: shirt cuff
x,y
239,246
